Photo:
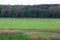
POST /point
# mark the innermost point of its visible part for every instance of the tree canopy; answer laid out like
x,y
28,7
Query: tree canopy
x,y
30,11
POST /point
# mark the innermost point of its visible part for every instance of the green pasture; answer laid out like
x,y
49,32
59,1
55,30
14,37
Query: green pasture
x,y
29,23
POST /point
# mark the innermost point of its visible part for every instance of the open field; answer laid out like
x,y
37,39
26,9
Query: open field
x,y
30,23
29,29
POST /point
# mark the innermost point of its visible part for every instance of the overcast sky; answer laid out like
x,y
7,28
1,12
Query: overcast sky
x,y
28,2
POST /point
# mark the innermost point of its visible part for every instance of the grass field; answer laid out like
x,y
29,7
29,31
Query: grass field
x,y
30,36
29,23
24,24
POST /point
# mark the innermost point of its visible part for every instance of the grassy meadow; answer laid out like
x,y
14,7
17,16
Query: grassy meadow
x,y
29,23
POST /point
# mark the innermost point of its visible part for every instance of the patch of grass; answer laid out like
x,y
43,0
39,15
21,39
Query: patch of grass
x,y
43,33
31,36
54,38
29,23
14,36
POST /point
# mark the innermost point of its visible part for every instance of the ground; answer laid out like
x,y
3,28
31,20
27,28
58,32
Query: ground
x,y
30,23
35,28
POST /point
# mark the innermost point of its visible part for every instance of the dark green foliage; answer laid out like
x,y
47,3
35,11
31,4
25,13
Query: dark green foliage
x,y
28,11
14,36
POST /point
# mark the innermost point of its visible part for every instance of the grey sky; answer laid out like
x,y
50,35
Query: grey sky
x,y
29,2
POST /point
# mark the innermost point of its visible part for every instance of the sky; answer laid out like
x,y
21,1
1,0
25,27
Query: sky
x,y
28,2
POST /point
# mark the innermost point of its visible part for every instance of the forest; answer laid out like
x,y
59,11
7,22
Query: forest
x,y
30,11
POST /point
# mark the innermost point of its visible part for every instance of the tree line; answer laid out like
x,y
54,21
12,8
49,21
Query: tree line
x,y
30,11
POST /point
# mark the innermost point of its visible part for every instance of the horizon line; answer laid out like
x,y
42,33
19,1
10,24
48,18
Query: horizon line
x,y
29,4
